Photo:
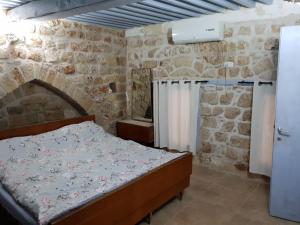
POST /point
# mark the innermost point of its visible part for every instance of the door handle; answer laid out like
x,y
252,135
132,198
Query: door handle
x,y
283,132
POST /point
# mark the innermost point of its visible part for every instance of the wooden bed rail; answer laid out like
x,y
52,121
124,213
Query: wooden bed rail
x,y
43,128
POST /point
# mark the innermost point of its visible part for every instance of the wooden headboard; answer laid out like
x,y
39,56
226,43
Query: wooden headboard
x,y
42,128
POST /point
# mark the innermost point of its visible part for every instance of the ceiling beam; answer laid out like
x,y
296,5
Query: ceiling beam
x,y
112,18
120,22
226,4
120,15
88,20
98,23
245,3
187,6
147,12
205,5
171,8
267,2
125,12
56,9
158,10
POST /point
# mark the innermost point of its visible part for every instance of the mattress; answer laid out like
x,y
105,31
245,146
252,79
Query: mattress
x,y
53,173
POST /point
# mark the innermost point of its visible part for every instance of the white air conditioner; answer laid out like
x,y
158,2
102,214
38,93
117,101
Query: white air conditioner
x,y
193,32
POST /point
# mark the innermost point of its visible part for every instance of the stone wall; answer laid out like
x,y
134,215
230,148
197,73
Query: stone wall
x,y
32,104
226,112
86,62
141,92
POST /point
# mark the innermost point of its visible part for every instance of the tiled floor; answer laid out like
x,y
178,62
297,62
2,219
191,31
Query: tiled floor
x,y
215,198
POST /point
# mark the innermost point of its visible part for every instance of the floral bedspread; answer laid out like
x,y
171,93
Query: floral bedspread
x,y
51,173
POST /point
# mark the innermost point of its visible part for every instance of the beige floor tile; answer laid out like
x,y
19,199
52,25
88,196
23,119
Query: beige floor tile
x,y
214,198
238,219
202,214
206,174
238,184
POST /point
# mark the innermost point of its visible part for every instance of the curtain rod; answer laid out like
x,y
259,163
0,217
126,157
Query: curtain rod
x,y
221,82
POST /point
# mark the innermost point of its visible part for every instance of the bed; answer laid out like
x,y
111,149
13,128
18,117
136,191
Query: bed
x,y
134,182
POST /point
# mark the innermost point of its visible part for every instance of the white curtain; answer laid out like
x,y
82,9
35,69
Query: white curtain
x,y
262,129
177,115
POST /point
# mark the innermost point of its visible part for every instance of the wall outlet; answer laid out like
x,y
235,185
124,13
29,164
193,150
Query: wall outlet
x,y
228,64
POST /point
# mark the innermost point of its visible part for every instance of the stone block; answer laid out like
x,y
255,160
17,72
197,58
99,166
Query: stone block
x,y
241,166
35,56
214,59
260,29
242,45
231,153
276,28
34,99
244,128
247,115
16,74
51,56
205,134
150,64
228,32
54,115
226,98
206,147
8,83
183,61
205,111
232,112
20,53
69,69
199,67
246,72
271,44
263,66
231,47
35,42
217,110
240,142
220,137
45,30
4,54
3,124
82,68
67,57
210,98
234,72
245,100
209,122
243,60
14,110
245,30
31,118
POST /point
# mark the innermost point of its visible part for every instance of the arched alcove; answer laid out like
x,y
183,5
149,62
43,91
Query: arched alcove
x,y
36,102
61,94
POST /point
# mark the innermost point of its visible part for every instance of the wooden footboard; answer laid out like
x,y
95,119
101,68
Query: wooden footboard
x,y
130,203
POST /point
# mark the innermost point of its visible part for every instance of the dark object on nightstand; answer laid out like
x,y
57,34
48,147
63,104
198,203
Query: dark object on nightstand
x,y
139,131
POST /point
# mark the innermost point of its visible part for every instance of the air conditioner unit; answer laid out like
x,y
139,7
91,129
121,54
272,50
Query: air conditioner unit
x,y
194,32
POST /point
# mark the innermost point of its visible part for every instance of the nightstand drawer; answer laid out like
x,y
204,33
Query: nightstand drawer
x,y
138,131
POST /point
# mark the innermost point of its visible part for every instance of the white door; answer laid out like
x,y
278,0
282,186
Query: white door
x,y
285,181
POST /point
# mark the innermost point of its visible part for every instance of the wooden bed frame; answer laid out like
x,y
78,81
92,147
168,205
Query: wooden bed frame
x,y
130,203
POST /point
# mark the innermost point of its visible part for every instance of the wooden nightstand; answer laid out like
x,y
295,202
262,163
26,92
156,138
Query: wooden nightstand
x,y
139,131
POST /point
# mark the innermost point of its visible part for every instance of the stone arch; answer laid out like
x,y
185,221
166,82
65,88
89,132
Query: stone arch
x,y
50,79
61,94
